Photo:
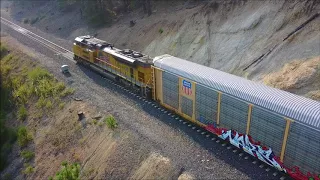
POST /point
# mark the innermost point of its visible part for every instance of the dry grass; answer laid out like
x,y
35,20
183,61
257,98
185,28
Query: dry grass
x,y
315,95
295,75
155,166
186,176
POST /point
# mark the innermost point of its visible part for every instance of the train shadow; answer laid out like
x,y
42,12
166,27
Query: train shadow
x,y
210,143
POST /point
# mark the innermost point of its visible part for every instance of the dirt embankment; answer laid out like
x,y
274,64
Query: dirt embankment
x,y
226,35
299,77
55,134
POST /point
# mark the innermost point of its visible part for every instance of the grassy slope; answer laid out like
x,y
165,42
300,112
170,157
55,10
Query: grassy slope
x,y
23,85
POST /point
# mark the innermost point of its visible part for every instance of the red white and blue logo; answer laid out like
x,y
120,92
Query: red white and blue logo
x,y
187,87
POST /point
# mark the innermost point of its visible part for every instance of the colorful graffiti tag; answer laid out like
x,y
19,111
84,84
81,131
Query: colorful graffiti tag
x,y
265,154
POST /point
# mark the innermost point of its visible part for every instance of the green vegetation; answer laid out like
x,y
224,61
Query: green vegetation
x,y
28,169
49,104
68,172
66,92
100,123
25,20
21,83
3,51
7,176
24,137
34,20
7,135
36,82
61,105
22,113
27,155
160,30
111,122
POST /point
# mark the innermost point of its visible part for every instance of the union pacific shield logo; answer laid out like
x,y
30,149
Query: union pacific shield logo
x,y
187,87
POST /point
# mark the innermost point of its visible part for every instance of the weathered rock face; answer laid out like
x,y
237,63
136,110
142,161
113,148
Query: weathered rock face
x,y
229,37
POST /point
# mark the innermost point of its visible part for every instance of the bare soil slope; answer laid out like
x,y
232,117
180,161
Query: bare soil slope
x,y
299,77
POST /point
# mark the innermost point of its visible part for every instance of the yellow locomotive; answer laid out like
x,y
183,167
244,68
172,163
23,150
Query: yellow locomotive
x,y
127,66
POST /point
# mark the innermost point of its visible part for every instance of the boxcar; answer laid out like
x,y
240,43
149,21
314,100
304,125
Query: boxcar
x,y
286,123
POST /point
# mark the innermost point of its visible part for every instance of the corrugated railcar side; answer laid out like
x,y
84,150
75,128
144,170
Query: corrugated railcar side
x,y
294,142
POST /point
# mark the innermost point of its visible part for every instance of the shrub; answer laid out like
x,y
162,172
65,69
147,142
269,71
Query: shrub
x,y
41,102
22,113
100,123
60,86
94,121
34,20
7,176
5,69
66,92
68,172
160,30
23,93
37,74
49,104
111,122
3,51
61,105
23,136
28,169
27,155
7,58
7,134
25,20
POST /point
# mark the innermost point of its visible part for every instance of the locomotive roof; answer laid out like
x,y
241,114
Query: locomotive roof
x,y
298,108
128,55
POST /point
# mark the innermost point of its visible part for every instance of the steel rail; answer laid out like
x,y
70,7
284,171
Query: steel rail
x,y
54,47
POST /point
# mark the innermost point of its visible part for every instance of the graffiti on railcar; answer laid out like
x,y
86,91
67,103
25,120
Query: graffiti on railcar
x,y
265,154
295,173
243,141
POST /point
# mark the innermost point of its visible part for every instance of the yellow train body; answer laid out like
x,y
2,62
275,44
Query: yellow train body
x,y
128,65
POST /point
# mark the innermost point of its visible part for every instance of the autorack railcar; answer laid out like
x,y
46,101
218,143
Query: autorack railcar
x,y
237,109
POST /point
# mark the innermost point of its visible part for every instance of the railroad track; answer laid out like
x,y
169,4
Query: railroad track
x,y
52,46
214,138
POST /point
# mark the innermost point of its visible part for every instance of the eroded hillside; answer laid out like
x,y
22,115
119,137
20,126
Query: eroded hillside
x,y
226,35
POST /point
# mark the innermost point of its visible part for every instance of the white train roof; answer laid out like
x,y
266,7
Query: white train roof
x,y
298,108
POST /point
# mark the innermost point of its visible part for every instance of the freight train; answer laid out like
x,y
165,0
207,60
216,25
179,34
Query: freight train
x,y
277,127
